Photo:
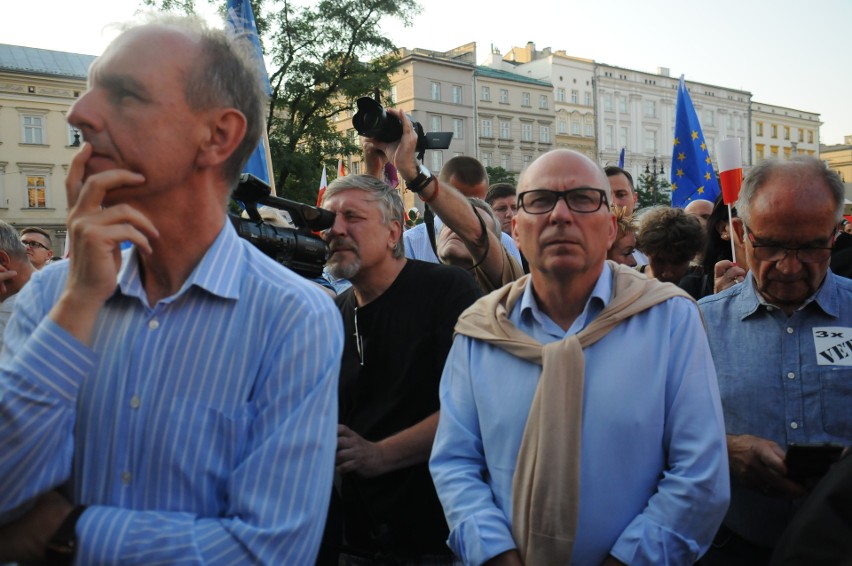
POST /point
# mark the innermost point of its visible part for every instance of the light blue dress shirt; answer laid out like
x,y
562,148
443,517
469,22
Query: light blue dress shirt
x,y
787,379
654,468
417,244
201,429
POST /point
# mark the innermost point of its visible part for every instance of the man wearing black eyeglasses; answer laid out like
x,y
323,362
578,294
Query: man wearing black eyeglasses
x,y
37,242
580,421
782,345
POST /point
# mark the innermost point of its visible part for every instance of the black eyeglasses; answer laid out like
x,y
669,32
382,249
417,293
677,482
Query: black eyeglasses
x,y
34,244
542,201
359,340
806,254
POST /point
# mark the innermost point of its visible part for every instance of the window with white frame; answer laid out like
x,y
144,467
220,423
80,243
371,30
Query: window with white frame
x,y
650,108
587,130
36,185
563,126
575,127
504,96
356,168
608,142
622,136
542,101
458,128
434,123
587,98
486,129
392,98
504,161
75,136
544,134
575,97
709,118
33,130
650,141
526,132
622,105
505,129
729,121
436,91
525,99
486,159
485,93
607,102
437,160
527,160
560,95
457,94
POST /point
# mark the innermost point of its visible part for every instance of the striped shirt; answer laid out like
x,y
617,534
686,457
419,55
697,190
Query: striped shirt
x,y
199,430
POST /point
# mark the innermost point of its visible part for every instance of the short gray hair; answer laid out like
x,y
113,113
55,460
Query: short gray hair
x,y
800,166
10,241
495,227
388,199
225,75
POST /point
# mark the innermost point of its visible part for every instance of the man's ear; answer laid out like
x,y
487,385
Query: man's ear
x,y
225,129
739,229
5,259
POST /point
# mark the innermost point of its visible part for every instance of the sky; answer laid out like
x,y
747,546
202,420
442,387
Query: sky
x,y
786,52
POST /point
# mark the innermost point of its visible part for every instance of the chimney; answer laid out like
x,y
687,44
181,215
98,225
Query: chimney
x,y
664,71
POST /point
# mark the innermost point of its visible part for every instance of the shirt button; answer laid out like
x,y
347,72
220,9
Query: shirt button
x,y
794,425
135,402
153,324
126,477
770,309
791,375
789,330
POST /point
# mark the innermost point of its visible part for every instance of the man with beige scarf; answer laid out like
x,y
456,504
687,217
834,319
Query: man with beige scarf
x,y
580,416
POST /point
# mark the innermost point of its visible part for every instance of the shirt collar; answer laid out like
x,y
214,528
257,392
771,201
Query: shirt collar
x,y
597,301
218,272
826,297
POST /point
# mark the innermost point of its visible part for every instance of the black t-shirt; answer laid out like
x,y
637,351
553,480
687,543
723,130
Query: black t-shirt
x,y
405,337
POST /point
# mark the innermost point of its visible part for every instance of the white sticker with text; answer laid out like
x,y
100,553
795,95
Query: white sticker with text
x,y
833,345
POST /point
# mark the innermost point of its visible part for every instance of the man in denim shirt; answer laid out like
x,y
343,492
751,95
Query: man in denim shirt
x,y
782,345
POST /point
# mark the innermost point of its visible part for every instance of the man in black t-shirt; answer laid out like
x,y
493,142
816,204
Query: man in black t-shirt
x,y
398,320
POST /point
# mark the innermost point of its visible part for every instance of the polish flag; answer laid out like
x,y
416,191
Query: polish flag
x,y
341,171
729,155
322,187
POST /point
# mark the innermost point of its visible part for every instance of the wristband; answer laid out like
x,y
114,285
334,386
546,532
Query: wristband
x,y
434,194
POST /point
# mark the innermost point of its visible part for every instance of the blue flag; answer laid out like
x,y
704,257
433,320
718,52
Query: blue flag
x,y
621,159
241,21
692,171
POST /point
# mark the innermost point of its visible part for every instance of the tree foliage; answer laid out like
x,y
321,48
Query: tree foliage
x,y
324,56
500,175
653,190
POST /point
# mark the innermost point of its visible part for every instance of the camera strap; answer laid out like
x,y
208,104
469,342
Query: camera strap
x,y
429,221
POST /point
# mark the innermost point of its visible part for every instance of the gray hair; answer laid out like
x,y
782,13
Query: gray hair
x,y
10,241
388,199
225,75
495,227
801,166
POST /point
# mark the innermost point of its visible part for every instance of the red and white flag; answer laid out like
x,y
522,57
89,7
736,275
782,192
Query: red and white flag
x,y
341,171
730,159
322,187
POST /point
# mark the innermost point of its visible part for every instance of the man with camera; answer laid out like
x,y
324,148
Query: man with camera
x,y
398,319
781,342
169,404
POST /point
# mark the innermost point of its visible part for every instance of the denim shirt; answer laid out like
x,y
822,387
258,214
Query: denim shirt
x,y
787,379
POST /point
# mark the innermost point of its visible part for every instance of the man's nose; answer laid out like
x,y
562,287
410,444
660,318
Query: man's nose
x,y
83,113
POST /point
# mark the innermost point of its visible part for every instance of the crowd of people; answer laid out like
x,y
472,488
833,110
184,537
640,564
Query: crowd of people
x,y
539,374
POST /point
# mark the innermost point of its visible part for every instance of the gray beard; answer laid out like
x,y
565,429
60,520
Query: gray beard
x,y
345,270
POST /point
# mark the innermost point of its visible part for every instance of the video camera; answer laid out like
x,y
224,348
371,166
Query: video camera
x,y
296,248
373,121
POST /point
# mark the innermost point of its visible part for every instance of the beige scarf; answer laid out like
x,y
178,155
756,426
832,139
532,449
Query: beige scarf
x,y
546,484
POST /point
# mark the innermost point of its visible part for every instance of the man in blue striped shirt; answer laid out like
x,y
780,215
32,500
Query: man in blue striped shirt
x,y
175,403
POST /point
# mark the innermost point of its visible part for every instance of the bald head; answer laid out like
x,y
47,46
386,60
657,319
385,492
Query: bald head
x,y
563,168
700,209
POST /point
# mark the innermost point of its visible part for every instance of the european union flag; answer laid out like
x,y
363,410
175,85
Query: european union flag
x,y
692,172
241,20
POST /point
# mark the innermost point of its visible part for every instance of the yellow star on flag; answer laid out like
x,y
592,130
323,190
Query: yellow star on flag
x,y
674,186
703,146
708,160
679,173
700,190
707,176
677,141
694,135
681,156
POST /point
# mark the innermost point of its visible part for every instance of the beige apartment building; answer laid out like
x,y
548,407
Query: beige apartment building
x,y
839,158
780,133
37,87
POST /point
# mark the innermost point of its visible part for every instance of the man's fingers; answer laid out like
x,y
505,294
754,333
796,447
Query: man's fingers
x,y
74,179
96,187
